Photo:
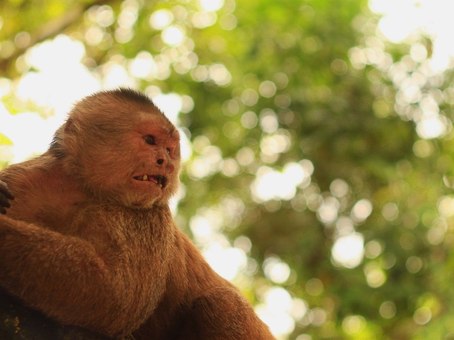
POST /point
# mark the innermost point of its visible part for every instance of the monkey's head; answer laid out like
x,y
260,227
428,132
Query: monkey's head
x,y
121,148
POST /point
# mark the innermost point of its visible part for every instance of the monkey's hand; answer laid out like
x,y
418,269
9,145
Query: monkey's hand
x,y
5,197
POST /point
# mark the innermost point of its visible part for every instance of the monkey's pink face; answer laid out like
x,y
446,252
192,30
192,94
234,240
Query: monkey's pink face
x,y
139,167
154,174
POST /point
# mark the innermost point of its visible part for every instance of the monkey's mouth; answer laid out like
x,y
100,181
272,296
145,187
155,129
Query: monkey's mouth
x,y
158,179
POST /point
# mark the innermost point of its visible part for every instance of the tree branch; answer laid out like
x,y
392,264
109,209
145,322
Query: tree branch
x,y
51,29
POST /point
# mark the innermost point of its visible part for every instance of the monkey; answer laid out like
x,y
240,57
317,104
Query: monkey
x,y
88,239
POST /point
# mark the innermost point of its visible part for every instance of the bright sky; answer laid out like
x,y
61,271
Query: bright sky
x,y
403,20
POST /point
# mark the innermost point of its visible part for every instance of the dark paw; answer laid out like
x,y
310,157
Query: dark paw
x,y
5,197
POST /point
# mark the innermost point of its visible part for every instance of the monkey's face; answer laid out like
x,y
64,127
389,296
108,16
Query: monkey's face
x,y
156,151
134,163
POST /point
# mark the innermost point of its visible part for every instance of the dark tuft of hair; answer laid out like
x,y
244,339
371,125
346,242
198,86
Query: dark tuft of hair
x,y
56,148
132,95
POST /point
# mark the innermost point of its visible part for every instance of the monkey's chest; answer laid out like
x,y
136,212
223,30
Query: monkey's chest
x,y
142,271
136,248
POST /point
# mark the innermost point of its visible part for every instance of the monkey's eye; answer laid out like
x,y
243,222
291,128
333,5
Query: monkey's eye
x,y
168,151
149,139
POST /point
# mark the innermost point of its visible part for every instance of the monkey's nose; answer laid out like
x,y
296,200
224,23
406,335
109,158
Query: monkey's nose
x,y
160,161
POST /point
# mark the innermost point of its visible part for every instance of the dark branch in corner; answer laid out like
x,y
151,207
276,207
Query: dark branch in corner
x,y
51,29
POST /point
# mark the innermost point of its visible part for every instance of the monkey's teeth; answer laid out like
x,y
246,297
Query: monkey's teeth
x,y
158,179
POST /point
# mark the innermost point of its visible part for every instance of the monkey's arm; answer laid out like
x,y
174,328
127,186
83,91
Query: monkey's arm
x,y
62,276
223,314
219,312
199,304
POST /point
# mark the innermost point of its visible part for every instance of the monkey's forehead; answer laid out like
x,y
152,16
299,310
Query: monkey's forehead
x,y
157,120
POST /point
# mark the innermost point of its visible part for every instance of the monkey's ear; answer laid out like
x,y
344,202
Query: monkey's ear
x,y
56,146
69,126
72,126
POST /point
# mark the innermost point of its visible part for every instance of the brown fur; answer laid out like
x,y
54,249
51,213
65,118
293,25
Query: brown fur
x,y
88,245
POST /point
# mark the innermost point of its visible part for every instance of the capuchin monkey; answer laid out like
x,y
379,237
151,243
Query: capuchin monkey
x,y
87,237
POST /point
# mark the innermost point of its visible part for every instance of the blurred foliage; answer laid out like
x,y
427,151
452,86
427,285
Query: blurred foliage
x,y
291,94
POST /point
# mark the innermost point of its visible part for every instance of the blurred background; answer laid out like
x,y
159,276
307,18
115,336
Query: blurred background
x,y
317,141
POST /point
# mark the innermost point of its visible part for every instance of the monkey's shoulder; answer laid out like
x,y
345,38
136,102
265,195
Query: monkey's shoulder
x,y
42,190
37,177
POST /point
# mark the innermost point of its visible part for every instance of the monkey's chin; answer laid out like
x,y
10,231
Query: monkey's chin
x,y
146,198
141,201
145,194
